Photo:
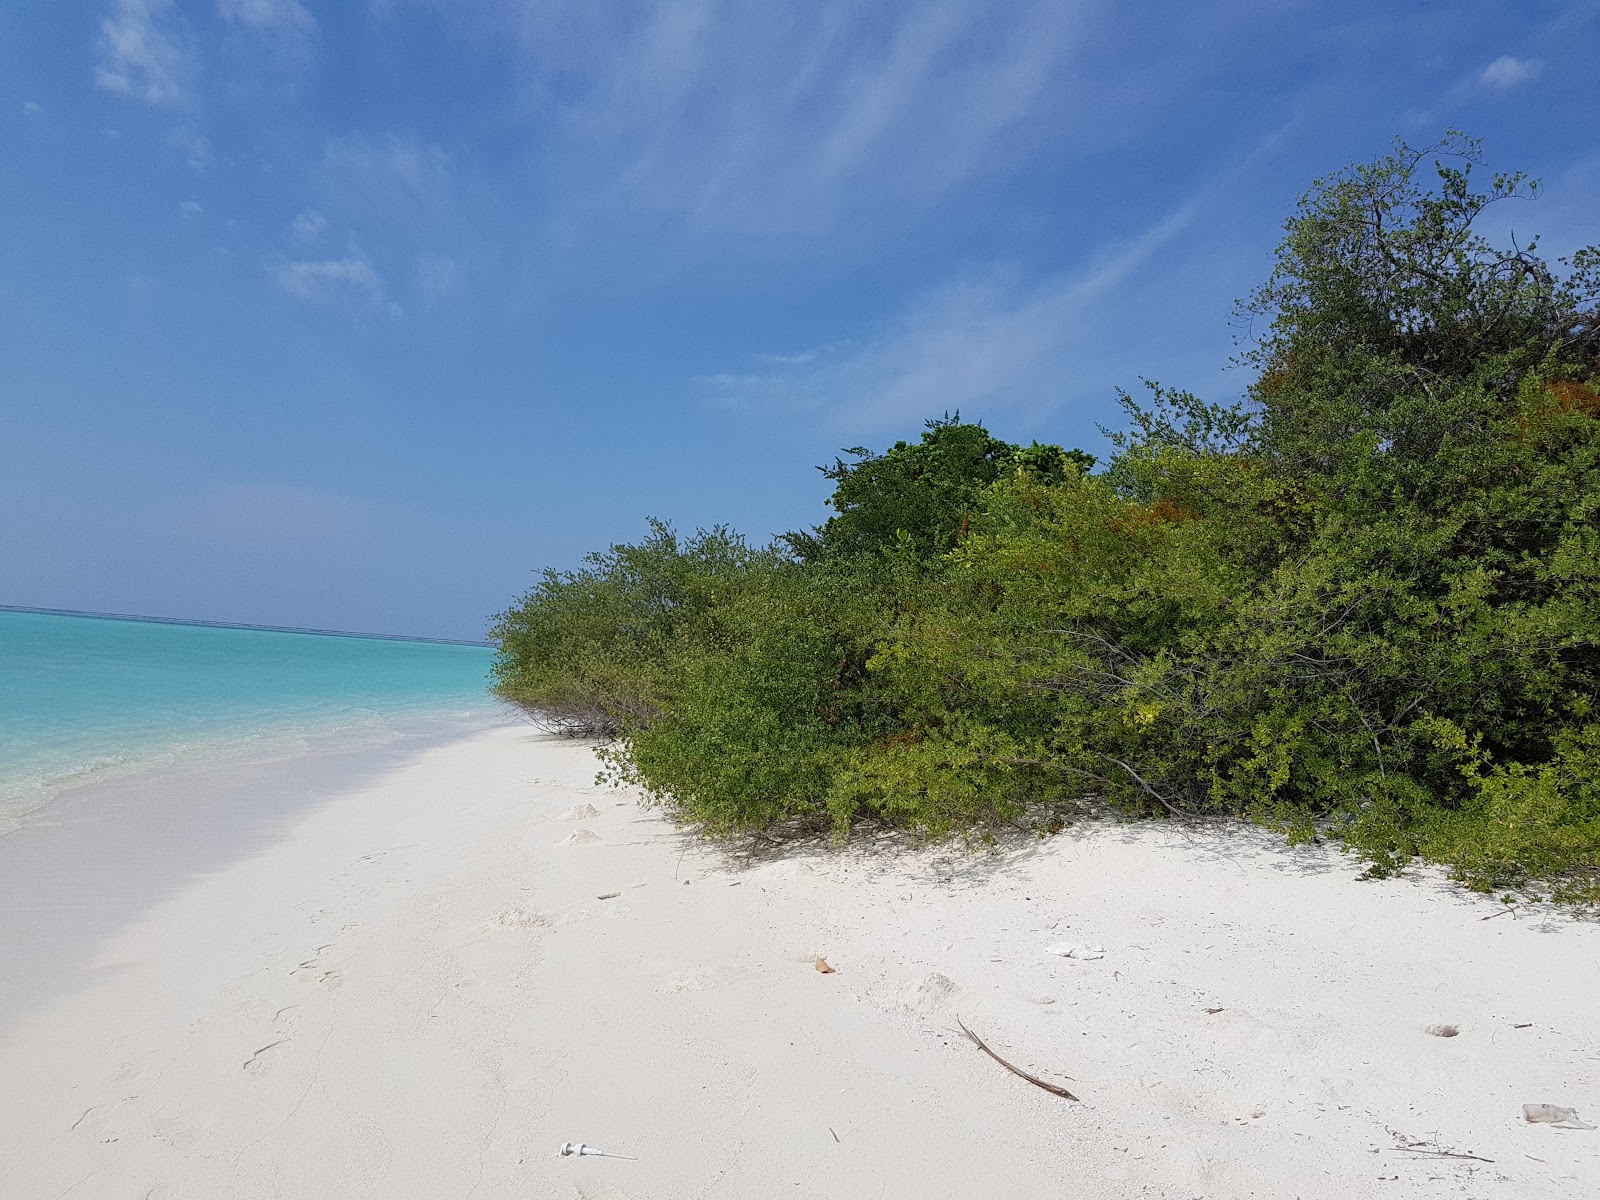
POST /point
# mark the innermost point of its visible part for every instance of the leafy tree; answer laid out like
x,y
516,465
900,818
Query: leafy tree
x,y
1384,296
925,492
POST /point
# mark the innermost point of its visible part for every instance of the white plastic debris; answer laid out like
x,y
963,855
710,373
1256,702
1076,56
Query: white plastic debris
x,y
1553,1114
568,1149
1076,950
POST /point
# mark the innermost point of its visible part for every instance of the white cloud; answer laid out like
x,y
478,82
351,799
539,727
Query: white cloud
x,y
308,226
190,208
269,16
143,55
976,341
350,282
723,123
1506,72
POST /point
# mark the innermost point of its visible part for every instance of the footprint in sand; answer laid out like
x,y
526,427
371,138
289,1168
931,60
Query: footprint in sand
x,y
317,968
518,918
286,1017
696,979
580,837
135,1067
600,1191
261,1061
94,1123
929,994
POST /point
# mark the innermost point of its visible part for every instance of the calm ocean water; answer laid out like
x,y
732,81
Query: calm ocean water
x,y
83,696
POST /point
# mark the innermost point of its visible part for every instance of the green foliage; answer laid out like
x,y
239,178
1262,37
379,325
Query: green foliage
x,y
924,492
590,652
1364,603
752,727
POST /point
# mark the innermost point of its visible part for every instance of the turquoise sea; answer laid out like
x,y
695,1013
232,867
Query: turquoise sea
x,y
85,696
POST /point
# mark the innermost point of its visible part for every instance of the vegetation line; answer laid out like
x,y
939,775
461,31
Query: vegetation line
x,y
1363,602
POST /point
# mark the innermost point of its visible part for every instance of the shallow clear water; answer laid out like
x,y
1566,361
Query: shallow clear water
x,y
81,696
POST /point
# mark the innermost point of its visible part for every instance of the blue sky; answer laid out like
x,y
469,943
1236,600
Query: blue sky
x,y
352,315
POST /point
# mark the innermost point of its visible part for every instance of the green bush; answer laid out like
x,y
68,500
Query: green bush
x,y
1363,603
591,652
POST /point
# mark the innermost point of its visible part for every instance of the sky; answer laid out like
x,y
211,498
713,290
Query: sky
x,y
357,315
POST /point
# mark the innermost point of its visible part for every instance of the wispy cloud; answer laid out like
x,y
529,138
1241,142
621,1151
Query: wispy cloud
x,y
308,226
987,340
1506,73
350,283
32,108
143,53
269,16
414,216
990,340
734,122
440,279
190,208
388,178
195,147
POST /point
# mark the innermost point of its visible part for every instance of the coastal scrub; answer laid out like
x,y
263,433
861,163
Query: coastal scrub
x,y
1364,601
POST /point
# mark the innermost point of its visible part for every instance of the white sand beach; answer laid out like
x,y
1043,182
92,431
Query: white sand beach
x,y
422,982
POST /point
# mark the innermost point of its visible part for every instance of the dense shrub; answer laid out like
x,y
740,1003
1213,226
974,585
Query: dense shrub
x,y
1365,601
591,652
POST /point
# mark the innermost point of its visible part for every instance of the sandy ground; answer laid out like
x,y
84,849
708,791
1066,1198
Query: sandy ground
x,y
420,988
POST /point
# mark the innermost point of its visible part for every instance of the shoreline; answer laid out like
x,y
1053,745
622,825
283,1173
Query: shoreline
x,y
244,625
91,856
32,800
421,980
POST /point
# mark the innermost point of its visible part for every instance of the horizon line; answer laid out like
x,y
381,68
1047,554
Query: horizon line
x,y
345,633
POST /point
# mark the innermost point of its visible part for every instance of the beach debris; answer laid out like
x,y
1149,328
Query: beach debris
x,y
1075,950
977,1041
571,1149
608,896
1553,1114
1211,1012
1433,1149
1442,1030
1441,1153
822,966
835,1135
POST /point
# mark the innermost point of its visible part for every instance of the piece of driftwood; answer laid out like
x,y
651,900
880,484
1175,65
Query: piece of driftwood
x,y
1015,1070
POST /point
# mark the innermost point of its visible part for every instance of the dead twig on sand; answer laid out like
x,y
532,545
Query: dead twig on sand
x,y
1017,1071
1440,1153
